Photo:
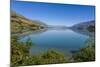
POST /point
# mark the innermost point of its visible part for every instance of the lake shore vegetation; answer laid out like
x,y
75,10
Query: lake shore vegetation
x,y
21,57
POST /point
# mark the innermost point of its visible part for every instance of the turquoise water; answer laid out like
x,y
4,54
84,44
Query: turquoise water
x,y
62,40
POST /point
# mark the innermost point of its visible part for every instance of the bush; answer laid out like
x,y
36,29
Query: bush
x,y
53,56
19,51
86,53
20,54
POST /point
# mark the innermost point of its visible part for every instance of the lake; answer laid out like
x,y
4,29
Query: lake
x,y
64,41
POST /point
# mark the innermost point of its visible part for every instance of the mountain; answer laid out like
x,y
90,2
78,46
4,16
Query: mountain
x,y
87,28
20,24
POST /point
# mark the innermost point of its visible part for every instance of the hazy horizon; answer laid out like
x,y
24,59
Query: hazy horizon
x,y
54,14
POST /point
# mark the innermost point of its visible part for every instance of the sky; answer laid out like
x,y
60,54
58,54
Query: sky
x,y
54,13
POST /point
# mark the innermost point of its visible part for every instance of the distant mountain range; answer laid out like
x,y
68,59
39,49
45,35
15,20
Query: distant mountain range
x,y
87,28
20,24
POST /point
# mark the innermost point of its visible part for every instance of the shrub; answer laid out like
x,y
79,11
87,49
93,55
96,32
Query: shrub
x,y
20,54
86,53
19,51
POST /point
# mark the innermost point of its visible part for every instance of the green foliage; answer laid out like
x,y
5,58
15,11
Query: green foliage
x,y
20,54
86,53
19,51
51,57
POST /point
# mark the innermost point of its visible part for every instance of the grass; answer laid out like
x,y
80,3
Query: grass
x,y
20,24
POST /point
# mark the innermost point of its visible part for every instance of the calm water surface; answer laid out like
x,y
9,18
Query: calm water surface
x,y
62,40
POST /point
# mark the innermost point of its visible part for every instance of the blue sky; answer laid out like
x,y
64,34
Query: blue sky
x,y
54,14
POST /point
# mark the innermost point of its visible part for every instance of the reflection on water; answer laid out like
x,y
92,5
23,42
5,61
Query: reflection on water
x,y
62,40
37,32
87,33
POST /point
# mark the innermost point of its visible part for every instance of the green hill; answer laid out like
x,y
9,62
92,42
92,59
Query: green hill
x,y
20,24
86,28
